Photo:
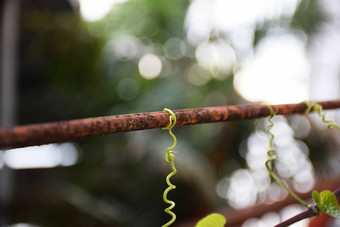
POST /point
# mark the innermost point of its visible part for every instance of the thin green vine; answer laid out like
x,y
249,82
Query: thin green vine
x,y
272,157
326,200
312,106
169,157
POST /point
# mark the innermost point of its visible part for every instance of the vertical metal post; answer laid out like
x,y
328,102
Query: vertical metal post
x,y
8,87
9,59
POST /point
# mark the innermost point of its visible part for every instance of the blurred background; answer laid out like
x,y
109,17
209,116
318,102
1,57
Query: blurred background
x,y
70,59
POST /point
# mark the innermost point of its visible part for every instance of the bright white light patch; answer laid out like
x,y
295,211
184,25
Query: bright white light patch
x,y
278,73
126,47
23,225
242,183
45,156
1,160
92,10
150,66
218,57
227,16
230,14
291,211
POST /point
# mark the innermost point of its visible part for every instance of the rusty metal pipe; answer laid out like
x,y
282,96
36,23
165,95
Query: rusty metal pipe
x,y
38,134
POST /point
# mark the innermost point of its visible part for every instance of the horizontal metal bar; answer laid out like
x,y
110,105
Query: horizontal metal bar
x,y
37,134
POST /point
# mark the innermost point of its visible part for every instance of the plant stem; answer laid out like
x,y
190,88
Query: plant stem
x,y
290,192
271,158
310,212
169,157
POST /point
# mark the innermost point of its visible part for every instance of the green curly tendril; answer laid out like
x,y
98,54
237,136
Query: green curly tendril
x,y
312,106
272,157
169,157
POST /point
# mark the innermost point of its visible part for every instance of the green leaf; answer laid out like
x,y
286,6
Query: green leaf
x,y
327,202
212,220
316,197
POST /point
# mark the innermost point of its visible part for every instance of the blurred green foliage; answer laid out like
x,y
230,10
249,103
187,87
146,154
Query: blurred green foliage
x,y
308,16
70,69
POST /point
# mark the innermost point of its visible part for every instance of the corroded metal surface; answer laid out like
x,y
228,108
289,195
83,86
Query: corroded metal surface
x,y
37,134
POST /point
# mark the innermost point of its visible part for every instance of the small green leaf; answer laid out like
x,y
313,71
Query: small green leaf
x,y
316,197
327,202
212,220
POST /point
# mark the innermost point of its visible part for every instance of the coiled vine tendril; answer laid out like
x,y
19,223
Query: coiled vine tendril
x,y
272,157
169,157
312,106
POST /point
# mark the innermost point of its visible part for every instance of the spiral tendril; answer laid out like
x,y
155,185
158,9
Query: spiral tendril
x,y
312,106
169,157
272,157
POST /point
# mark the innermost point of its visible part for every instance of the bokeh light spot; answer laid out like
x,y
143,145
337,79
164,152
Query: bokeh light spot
x,y
172,48
127,89
270,219
197,76
251,222
1,160
218,57
291,211
242,191
90,10
126,47
278,73
150,66
45,156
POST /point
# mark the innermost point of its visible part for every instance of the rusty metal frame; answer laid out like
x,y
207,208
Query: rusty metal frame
x,y
38,134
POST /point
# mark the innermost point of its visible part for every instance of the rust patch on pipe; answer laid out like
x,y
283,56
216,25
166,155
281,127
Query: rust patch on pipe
x,y
37,134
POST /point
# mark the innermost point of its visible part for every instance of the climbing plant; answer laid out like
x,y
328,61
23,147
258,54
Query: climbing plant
x,y
170,157
325,201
